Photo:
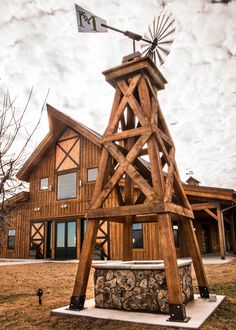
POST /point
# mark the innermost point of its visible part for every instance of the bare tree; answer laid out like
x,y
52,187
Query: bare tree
x,y
14,141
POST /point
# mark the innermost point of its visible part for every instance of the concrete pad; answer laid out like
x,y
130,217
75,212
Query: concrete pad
x,y
199,310
212,259
13,262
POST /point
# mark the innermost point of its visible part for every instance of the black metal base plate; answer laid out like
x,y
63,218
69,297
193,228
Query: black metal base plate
x,y
184,321
204,292
177,313
77,302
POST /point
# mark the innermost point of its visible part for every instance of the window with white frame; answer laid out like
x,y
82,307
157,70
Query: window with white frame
x,y
44,184
92,174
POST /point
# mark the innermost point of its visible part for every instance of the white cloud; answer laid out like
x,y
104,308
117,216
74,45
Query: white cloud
x,y
40,47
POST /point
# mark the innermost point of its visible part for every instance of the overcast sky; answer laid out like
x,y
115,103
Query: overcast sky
x,y
40,47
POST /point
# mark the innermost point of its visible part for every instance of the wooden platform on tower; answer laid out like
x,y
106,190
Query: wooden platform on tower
x,y
138,164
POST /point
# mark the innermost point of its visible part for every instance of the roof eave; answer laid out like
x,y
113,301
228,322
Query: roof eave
x,y
58,121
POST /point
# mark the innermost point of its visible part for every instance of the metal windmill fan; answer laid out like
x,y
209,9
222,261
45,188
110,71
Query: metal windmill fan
x,y
157,41
159,38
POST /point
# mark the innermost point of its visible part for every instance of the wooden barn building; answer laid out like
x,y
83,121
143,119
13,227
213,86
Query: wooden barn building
x,y
49,221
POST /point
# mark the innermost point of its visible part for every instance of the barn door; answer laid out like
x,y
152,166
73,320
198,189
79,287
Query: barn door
x,y
37,239
102,248
65,240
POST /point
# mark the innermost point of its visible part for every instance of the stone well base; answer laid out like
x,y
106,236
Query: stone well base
x,y
138,286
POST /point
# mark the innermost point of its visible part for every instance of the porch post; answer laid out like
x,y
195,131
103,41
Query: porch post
x,y
196,257
53,238
233,238
45,239
221,233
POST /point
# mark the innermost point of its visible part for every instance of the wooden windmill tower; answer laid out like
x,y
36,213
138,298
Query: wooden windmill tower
x,y
137,135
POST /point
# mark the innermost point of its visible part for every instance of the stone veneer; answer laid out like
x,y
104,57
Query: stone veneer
x,y
137,285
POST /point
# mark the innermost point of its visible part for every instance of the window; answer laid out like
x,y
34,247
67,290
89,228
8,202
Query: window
x,y
137,236
92,174
71,234
11,239
176,233
61,229
44,184
66,186
83,226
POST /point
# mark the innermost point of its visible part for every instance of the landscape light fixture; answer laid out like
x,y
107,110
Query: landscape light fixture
x,y
40,294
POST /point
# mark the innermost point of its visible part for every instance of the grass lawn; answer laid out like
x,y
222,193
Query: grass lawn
x,y
19,308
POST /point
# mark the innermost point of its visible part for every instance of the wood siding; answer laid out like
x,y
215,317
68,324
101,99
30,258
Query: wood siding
x,y
20,222
44,206
47,199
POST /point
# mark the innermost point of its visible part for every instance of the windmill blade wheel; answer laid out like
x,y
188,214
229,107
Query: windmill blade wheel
x,y
160,36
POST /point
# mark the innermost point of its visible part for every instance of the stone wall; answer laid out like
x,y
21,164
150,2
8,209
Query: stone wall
x,y
137,289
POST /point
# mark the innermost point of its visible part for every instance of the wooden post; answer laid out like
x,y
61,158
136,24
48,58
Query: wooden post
x,y
45,239
221,233
53,238
128,196
196,257
86,257
175,298
233,237
127,239
78,237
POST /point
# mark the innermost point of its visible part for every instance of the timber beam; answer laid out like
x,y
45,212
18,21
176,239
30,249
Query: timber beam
x,y
137,219
125,134
204,206
212,214
126,69
154,208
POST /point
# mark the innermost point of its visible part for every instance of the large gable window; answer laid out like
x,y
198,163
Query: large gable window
x,y
66,185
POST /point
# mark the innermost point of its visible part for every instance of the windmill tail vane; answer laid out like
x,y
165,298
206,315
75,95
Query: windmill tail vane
x,y
88,22
157,40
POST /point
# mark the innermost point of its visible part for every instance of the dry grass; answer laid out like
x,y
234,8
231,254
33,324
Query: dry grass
x,y
19,308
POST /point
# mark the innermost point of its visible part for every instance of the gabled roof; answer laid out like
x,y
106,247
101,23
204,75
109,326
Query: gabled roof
x,y
21,197
58,122
210,192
